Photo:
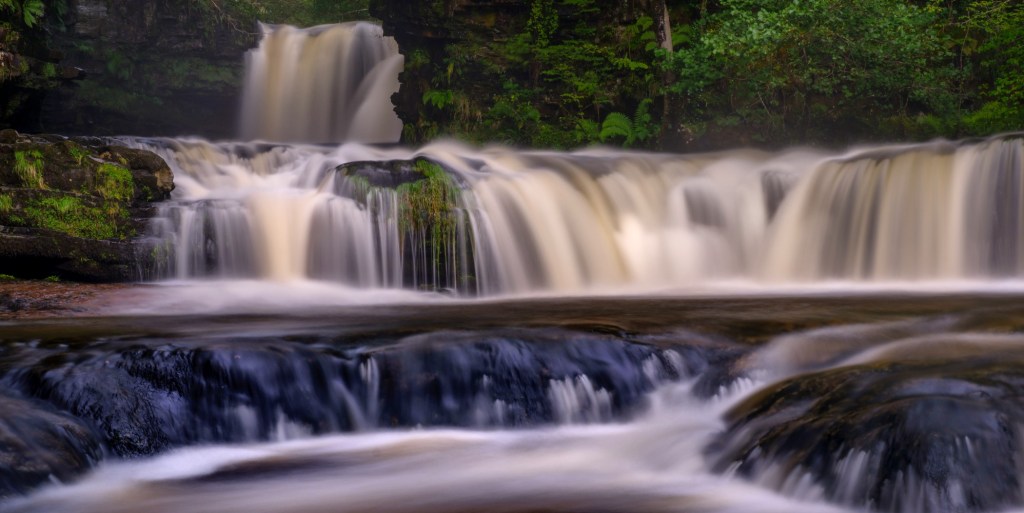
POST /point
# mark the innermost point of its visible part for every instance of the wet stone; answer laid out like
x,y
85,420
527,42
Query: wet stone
x,y
145,396
39,445
924,436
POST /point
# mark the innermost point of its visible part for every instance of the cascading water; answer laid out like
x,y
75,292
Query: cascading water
x,y
324,84
597,219
886,401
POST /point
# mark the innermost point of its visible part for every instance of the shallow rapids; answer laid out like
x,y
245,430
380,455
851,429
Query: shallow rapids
x,y
653,464
793,403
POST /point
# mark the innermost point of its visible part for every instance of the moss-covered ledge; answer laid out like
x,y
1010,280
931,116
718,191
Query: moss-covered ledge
x,y
76,208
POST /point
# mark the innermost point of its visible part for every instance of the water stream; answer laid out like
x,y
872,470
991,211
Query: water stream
x,y
337,325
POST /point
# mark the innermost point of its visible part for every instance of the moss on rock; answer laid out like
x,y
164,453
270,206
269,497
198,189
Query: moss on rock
x,y
58,196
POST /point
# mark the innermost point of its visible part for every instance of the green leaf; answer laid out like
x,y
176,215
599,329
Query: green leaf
x,y
617,124
32,11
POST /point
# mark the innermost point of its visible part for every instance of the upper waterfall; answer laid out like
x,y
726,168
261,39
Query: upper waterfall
x,y
324,84
532,221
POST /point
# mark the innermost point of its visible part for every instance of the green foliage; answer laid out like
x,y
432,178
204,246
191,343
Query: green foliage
x,y
28,11
6,204
438,98
53,279
639,128
560,73
32,11
543,22
28,165
993,31
7,277
798,67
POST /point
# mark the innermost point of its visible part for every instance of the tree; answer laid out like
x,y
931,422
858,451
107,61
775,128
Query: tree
x,y
805,69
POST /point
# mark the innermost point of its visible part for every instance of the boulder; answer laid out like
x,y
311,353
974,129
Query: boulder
x,y
890,436
39,445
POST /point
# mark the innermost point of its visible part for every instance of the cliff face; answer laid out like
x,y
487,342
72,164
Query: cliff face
x,y
141,67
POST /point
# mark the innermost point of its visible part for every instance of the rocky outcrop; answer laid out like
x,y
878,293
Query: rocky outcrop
x,y
140,67
890,436
75,208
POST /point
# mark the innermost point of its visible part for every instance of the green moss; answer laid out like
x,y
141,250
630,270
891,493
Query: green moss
x,y
430,203
69,215
78,153
53,278
6,203
114,182
28,165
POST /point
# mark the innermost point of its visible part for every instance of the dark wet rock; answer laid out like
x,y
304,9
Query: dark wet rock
x,y
387,173
924,436
73,208
39,445
145,397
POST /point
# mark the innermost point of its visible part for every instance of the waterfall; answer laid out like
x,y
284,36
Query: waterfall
x,y
534,221
328,83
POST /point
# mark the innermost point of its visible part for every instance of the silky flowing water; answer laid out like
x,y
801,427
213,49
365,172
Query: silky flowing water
x,y
597,330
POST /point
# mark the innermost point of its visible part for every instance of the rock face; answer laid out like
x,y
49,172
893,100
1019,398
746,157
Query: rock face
x,y
911,436
74,208
142,67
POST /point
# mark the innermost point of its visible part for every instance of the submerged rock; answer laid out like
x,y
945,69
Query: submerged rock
x,y
147,396
74,207
913,436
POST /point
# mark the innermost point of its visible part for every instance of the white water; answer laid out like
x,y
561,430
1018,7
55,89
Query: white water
x,y
652,464
602,220
323,84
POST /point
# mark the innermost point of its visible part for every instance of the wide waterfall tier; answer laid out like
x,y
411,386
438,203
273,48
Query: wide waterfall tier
x,y
329,83
497,220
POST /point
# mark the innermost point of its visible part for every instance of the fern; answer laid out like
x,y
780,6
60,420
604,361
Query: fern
x,y
638,129
643,122
617,124
32,11
439,98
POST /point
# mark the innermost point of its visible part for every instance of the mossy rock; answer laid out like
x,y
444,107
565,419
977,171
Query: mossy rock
x,y
389,173
428,198
890,436
59,197
84,166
